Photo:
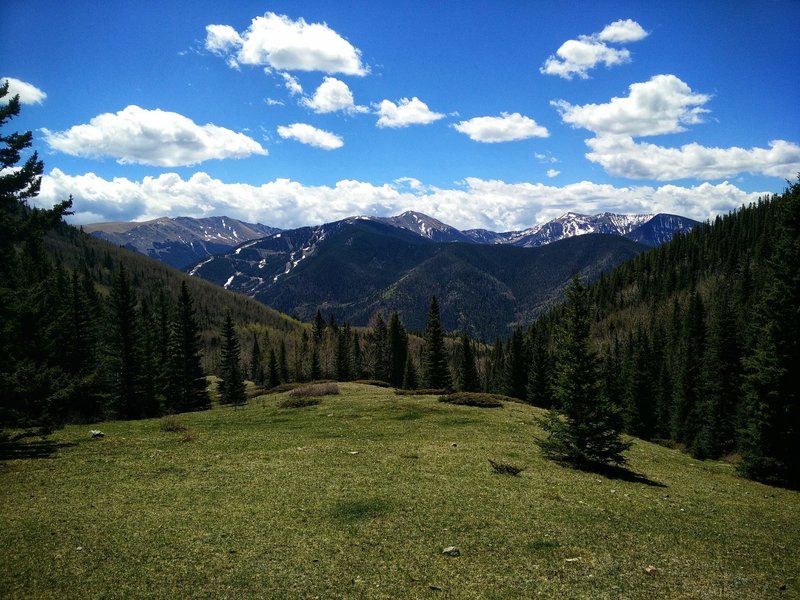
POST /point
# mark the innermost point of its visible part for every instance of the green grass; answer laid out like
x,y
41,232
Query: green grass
x,y
357,497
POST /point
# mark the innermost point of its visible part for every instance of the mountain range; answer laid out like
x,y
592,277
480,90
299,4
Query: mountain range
x,y
180,241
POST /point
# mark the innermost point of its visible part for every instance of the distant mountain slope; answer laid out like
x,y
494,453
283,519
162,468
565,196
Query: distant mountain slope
x,y
660,229
180,241
356,267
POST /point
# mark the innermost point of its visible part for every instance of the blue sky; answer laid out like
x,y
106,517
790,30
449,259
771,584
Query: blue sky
x,y
483,114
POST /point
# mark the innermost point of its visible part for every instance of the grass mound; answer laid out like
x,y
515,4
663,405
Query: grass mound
x,y
476,399
421,392
375,382
300,402
314,390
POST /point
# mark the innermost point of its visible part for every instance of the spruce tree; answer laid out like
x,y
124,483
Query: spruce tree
x,y
125,358
468,379
769,438
397,342
316,367
516,373
186,382
343,353
410,379
540,377
585,428
256,362
231,385
435,371
379,350
319,327
273,372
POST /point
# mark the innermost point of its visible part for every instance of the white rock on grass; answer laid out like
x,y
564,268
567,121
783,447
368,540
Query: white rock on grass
x,y
452,551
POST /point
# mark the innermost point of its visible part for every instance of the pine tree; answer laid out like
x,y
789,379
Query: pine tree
x,y
436,373
186,382
316,367
151,403
585,428
516,374
256,364
125,353
540,387
231,385
343,356
410,379
283,362
468,379
379,350
319,327
769,438
273,372
397,342
358,359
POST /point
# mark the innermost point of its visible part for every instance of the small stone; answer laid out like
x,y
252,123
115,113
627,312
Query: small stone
x,y
96,434
576,559
650,570
452,551
454,445
782,587
353,452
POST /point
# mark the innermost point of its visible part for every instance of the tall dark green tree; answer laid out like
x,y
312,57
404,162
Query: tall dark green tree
x,y
150,368
586,427
540,375
343,358
397,341
125,358
435,369
410,378
516,375
256,362
231,385
769,437
468,378
186,382
379,349
319,327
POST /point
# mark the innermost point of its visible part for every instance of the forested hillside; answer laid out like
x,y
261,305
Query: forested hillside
x,y
700,339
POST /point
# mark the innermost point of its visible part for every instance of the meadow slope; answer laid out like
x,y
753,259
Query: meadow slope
x,y
356,498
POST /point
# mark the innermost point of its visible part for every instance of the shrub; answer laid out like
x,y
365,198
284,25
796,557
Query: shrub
x,y
189,435
172,424
477,399
505,468
423,392
315,389
299,402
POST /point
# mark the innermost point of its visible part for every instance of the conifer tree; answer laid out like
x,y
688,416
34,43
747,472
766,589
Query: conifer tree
x,y
273,372
770,436
436,372
516,373
379,350
125,352
468,379
585,428
151,403
316,367
397,342
256,362
540,388
358,359
231,386
186,382
410,379
343,353
319,327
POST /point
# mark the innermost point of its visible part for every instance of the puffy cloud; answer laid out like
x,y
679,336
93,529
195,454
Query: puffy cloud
x,y
28,93
622,31
553,173
284,44
622,156
306,134
505,128
664,104
406,112
151,137
577,57
491,204
291,84
333,95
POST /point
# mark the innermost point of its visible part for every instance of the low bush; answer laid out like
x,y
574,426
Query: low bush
x,y
189,435
477,399
172,424
299,402
315,389
422,392
505,468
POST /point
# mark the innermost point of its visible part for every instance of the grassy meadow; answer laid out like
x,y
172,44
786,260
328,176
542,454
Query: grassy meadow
x,y
357,496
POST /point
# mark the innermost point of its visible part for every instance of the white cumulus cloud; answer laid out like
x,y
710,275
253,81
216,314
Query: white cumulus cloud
x,y
505,128
281,43
664,104
578,57
623,157
291,83
490,204
28,93
331,96
553,173
406,112
151,137
307,134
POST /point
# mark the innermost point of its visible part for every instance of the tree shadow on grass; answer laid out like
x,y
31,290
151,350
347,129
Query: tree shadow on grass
x,y
615,472
19,449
